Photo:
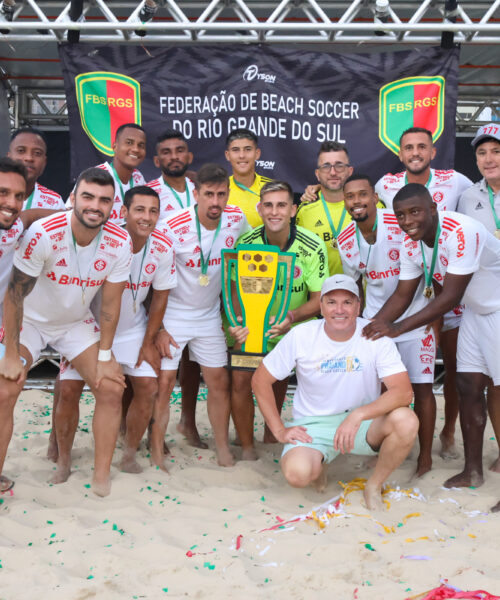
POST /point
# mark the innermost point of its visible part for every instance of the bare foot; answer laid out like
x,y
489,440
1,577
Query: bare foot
x,y
166,449
192,436
249,454
319,484
158,460
128,463
495,467
101,487
423,467
465,479
52,450
448,449
6,484
496,508
62,473
373,497
224,457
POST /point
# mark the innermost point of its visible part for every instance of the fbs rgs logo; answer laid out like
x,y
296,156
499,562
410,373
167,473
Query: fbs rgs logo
x,y
252,72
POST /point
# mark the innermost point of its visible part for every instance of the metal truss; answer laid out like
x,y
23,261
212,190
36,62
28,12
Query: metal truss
x,y
244,21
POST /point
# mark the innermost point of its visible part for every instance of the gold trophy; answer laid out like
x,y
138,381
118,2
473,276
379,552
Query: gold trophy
x,y
252,274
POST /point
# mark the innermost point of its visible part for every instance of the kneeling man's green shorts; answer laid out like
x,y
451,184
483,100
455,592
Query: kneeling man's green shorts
x,y
322,430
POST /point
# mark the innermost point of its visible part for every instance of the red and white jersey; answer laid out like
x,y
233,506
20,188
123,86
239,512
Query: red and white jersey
x,y
445,187
379,265
120,189
8,242
42,197
168,201
197,306
153,265
69,276
465,247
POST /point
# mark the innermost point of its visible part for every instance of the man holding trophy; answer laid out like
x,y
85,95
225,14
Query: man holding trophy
x,y
292,297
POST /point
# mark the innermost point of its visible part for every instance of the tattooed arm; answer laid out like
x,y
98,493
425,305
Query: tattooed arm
x,y
20,285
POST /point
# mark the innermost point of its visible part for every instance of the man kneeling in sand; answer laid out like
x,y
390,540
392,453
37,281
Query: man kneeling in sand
x,y
338,406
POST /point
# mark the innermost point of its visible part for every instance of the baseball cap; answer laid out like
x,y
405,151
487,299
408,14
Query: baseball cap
x,y
492,130
340,282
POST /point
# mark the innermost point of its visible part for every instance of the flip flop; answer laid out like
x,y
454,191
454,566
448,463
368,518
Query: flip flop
x,y
6,484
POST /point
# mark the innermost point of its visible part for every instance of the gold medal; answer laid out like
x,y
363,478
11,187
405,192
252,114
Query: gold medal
x,y
428,291
497,234
335,243
204,280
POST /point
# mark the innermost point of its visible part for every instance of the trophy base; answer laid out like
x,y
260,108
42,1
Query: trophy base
x,y
245,361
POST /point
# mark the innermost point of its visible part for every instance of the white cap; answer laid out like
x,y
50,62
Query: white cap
x,y
340,282
492,130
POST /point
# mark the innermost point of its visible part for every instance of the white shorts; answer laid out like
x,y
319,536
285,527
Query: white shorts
x,y
453,318
69,340
208,350
478,348
126,353
419,357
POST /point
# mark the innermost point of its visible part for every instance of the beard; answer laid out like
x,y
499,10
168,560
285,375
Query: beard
x,y
177,171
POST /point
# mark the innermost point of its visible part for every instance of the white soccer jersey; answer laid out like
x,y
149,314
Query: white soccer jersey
x,y
196,306
168,200
445,187
120,189
42,197
379,265
68,276
154,265
8,241
465,246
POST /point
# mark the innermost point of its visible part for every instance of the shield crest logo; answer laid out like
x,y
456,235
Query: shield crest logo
x,y
106,101
411,102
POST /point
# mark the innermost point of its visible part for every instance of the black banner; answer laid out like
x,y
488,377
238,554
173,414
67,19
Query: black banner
x,y
292,99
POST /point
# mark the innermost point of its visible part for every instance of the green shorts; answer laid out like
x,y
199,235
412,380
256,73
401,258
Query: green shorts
x,y
322,430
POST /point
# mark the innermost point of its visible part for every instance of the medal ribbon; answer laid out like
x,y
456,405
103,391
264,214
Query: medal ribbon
x,y
118,181
134,295
492,202
204,262
31,196
428,274
428,181
91,262
335,231
176,195
244,188
370,245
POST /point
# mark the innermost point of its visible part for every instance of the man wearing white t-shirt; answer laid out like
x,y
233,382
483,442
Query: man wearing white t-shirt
x,y
458,259
338,406
193,314
416,153
29,146
370,250
61,263
153,267
129,151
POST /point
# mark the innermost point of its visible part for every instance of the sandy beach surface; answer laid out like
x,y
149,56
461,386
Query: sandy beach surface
x,y
204,532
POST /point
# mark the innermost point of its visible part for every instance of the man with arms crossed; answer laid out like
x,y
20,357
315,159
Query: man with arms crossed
x,y
482,202
370,249
153,267
277,209
416,153
338,406
193,314
29,146
61,263
458,258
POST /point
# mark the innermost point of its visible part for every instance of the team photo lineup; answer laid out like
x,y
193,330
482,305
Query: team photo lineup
x,y
127,281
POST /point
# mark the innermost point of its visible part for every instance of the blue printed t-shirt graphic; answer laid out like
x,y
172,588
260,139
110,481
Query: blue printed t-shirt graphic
x,y
345,364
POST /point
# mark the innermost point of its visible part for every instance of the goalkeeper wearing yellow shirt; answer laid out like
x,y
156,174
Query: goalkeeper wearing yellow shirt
x,y
245,184
327,216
